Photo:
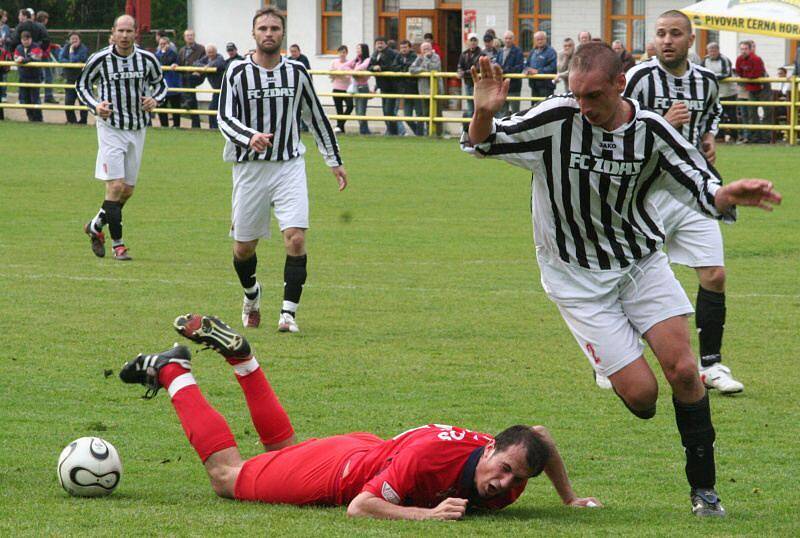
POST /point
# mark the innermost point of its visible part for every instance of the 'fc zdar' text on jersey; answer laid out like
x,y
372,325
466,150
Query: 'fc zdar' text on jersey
x,y
591,186
259,100
657,89
122,81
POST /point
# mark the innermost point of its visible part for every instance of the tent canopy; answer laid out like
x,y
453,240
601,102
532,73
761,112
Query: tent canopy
x,y
779,18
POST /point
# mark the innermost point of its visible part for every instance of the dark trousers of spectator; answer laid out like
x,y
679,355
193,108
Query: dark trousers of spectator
x,y
344,106
47,75
70,97
173,100
426,112
469,90
361,110
412,107
541,88
190,101
3,76
30,96
753,117
510,107
389,108
729,115
213,105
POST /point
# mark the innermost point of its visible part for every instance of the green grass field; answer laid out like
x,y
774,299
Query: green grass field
x,y
423,305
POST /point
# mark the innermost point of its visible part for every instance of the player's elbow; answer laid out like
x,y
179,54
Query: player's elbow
x,y
356,508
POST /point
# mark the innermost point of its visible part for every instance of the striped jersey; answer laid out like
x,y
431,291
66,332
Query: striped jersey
x,y
273,101
591,187
657,89
122,81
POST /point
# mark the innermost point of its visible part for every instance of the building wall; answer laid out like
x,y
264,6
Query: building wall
x,y
566,22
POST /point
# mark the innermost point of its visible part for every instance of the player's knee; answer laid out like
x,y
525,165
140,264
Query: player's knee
x,y
713,278
244,250
682,372
222,481
295,244
115,189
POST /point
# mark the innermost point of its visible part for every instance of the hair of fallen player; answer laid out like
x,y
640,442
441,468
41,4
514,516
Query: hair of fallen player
x,y
536,450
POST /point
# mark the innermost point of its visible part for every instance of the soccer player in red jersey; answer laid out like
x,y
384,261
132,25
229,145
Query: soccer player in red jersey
x,y
429,472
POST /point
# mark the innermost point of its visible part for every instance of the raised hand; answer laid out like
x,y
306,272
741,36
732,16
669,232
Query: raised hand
x,y
491,89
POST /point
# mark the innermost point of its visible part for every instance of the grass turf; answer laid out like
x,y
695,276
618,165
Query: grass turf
x,y
423,305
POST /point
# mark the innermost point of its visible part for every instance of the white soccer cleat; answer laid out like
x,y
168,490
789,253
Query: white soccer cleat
x,y
718,376
251,310
287,323
602,381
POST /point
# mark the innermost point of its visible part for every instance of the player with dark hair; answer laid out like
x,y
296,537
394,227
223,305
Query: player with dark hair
x,y
596,158
262,99
429,472
687,95
130,85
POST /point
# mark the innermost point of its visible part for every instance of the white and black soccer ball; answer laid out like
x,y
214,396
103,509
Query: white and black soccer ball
x,y
89,467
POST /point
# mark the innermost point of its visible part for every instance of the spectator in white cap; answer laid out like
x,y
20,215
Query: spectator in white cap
x,y
467,59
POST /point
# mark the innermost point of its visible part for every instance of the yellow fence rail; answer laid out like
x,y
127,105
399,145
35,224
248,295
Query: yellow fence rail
x,y
792,105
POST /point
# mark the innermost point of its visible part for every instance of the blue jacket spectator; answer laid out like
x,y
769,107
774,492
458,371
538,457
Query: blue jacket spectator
x,y
542,60
73,52
168,55
512,60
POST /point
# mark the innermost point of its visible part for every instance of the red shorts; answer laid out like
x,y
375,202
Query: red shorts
x,y
306,473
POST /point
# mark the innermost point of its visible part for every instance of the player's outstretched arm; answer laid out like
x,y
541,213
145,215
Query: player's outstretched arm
x,y
368,505
556,471
491,90
747,192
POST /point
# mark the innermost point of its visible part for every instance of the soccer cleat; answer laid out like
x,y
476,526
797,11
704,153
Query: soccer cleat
x,y
706,503
121,253
98,240
287,323
144,368
213,333
718,376
602,381
251,310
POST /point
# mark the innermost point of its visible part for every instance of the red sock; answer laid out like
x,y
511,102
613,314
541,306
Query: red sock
x,y
204,426
269,418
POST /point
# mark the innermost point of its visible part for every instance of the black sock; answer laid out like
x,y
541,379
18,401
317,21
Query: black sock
x,y
114,219
697,437
710,321
294,276
246,269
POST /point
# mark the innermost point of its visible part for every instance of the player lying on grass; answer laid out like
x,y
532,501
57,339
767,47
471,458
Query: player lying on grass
x,y
430,472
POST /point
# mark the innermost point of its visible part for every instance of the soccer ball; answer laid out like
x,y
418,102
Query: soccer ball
x,y
89,467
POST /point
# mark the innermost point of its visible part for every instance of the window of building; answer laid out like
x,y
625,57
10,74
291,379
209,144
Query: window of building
x,y
704,37
531,16
388,18
624,21
331,25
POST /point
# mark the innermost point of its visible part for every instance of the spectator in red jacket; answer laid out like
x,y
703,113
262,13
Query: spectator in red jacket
x,y
749,65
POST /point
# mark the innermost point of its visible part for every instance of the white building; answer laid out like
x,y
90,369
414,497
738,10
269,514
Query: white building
x,y
320,26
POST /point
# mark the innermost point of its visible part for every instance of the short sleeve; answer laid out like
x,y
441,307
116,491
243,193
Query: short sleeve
x,y
395,483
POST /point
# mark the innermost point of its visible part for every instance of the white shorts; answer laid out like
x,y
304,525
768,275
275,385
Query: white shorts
x,y
609,311
259,185
693,240
119,153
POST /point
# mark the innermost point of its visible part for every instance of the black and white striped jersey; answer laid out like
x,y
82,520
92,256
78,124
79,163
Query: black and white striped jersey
x,y
259,100
655,88
122,81
591,187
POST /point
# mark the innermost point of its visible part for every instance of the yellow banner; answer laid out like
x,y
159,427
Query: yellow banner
x,y
750,25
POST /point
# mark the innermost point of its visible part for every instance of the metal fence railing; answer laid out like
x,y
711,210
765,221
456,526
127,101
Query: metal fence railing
x,y
433,98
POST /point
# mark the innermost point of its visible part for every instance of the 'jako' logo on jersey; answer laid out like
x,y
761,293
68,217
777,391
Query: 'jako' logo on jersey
x,y
664,103
604,166
262,93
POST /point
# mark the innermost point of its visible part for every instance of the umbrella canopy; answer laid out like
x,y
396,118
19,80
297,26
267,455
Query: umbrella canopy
x,y
779,18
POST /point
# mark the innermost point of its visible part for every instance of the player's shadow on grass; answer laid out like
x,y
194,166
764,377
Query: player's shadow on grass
x,y
553,513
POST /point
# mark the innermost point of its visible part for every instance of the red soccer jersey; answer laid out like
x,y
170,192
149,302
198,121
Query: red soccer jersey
x,y
422,467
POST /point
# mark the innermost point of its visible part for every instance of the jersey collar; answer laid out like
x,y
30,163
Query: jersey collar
x,y
277,66
466,482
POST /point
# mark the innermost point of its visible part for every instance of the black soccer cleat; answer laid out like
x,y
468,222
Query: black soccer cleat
x,y
213,333
144,368
97,239
706,503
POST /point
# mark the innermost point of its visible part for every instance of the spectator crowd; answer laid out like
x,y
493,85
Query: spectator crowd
x,y
30,42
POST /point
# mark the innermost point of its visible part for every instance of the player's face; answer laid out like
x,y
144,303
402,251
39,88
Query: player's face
x,y
498,472
597,96
268,33
124,33
673,39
